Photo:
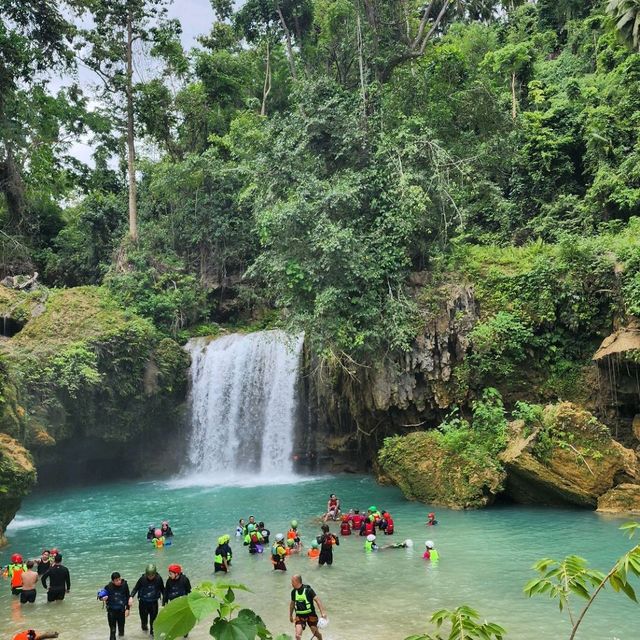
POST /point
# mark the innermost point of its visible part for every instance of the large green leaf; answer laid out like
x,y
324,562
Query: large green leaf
x,y
175,620
202,605
236,629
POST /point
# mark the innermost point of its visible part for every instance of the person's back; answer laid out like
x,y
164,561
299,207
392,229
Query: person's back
x,y
29,581
57,580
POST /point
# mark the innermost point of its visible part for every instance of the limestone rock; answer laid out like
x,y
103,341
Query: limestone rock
x,y
625,498
569,459
17,478
427,472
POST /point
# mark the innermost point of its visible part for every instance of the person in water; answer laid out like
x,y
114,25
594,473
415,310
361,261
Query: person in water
x,y
430,552
303,604
278,553
240,528
44,562
314,552
29,582
370,544
151,532
14,572
150,589
166,529
293,534
345,526
387,524
32,634
117,600
333,508
177,584
253,539
265,533
431,520
57,580
158,539
327,541
252,522
221,559
357,519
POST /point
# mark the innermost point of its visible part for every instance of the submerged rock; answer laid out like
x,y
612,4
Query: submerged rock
x,y
426,471
17,478
570,458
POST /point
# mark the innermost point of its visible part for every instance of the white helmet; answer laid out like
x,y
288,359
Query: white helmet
x,y
371,537
265,533
429,544
279,537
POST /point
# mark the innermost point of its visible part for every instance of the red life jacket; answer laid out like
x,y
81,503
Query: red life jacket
x,y
357,520
389,529
345,529
368,527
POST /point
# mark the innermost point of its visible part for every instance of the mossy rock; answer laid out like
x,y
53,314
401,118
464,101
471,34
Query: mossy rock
x,y
17,478
625,498
427,472
570,458
90,368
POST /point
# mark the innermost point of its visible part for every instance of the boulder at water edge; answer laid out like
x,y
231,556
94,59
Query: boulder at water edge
x,y
17,477
625,498
570,458
426,471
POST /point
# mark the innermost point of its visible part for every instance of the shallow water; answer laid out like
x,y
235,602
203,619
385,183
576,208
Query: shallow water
x,y
485,558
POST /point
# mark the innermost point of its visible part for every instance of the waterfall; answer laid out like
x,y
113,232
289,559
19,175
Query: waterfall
x,y
243,401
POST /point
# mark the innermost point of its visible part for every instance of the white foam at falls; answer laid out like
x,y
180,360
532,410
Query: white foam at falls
x,y
243,401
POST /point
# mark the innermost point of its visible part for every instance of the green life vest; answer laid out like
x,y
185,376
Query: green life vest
x,y
368,546
435,556
302,603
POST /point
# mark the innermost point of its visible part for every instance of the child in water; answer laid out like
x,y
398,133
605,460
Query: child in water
x,y
158,540
314,552
431,520
240,528
430,553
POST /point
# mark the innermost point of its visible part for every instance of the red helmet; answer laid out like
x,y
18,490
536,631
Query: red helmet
x,y
16,558
175,568
432,515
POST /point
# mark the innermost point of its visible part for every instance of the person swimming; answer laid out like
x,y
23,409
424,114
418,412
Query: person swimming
x,y
431,520
430,552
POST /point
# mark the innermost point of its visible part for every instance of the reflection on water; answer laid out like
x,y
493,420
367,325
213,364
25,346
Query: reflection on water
x,y
485,558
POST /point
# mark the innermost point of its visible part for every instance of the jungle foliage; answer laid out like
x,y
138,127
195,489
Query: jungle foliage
x,y
309,155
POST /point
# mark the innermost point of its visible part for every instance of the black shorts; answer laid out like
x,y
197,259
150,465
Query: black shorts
x,y
326,557
310,619
28,595
57,594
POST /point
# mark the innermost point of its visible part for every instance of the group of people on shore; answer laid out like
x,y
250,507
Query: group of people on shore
x,y
151,590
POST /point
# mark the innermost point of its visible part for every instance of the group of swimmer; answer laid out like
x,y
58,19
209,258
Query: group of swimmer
x,y
152,590
160,536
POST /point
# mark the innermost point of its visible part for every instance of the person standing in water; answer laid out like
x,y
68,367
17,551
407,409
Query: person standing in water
x,y
303,605
149,588
29,581
116,598
177,584
59,580
44,562
327,540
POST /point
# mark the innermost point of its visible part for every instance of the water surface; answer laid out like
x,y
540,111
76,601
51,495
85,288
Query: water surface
x,y
485,558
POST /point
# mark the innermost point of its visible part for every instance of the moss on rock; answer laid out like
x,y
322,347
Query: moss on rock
x,y
17,478
427,471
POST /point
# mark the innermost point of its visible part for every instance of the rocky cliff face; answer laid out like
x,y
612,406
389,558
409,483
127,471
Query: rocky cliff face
x,y
352,409
17,478
90,389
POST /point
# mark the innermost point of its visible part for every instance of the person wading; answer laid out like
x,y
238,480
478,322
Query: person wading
x,y
303,605
150,588
57,581
116,597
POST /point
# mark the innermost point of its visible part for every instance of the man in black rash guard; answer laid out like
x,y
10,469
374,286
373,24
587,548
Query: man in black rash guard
x,y
44,564
58,579
150,588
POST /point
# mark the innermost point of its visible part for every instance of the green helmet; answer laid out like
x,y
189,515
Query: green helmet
x,y
315,545
290,542
294,524
151,569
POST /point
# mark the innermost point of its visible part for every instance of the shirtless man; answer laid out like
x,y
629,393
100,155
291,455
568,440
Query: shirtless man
x,y
29,581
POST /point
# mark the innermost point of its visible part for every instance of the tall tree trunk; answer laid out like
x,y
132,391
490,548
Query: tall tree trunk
x,y
363,86
12,185
287,35
514,100
131,149
266,89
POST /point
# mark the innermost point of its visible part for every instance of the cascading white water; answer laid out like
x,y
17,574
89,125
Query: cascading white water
x,y
243,401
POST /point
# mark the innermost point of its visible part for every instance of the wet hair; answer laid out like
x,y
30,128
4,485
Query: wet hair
x,y
115,575
45,551
261,525
58,557
325,528
30,564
